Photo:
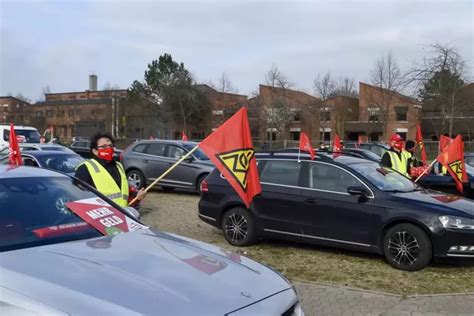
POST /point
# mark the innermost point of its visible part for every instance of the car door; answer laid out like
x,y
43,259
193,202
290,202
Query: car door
x,y
184,174
154,161
280,199
330,212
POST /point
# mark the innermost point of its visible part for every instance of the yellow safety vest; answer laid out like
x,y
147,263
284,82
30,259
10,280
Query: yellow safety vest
x,y
105,184
399,164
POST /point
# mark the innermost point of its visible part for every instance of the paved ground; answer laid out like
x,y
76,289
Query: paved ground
x,y
317,299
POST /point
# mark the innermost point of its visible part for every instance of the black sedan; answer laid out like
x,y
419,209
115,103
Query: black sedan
x,y
344,202
82,148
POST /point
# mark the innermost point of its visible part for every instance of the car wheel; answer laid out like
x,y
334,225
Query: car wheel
x,y
239,227
136,178
407,247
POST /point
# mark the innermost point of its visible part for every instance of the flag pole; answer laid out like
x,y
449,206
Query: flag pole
x,y
167,171
424,171
299,153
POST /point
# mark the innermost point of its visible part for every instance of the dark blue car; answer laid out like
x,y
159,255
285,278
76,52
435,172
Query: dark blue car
x,y
344,202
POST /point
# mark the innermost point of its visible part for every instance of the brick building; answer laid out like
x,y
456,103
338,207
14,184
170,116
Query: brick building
x,y
14,110
383,112
436,121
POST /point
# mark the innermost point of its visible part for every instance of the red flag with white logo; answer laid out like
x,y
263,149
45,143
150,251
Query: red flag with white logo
x,y
14,153
305,145
184,137
231,150
337,146
419,140
452,158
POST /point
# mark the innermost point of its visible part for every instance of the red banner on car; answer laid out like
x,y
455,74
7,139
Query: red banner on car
x,y
103,217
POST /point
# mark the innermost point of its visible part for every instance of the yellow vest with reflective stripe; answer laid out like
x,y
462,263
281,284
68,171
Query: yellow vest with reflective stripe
x,y
106,185
399,163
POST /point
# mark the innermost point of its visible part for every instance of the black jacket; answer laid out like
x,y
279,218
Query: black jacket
x,y
83,174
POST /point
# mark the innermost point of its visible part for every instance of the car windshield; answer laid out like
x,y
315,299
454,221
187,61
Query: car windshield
x,y
384,178
198,153
63,163
31,136
33,212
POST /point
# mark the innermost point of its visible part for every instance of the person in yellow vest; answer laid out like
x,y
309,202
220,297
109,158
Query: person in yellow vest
x,y
104,173
394,157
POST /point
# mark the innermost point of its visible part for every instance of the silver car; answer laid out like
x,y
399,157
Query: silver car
x,y
146,160
54,263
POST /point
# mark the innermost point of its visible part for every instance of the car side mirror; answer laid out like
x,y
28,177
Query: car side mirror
x,y
189,159
357,191
132,212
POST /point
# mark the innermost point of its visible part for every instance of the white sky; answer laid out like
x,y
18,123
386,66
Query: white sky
x,y
59,43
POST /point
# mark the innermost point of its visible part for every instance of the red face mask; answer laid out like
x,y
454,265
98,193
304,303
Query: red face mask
x,y
106,153
398,145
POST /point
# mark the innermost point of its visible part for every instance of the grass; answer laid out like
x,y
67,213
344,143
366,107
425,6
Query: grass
x,y
365,271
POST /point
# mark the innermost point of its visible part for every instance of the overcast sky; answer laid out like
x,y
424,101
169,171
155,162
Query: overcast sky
x,y
59,43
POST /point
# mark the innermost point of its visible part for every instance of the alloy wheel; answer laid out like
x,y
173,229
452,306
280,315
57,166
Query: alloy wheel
x,y
134,178
403,248
236,227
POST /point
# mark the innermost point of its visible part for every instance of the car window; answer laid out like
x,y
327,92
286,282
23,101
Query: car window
x,y
156,149
28,161
31,136
470,161
175,152
281,172
81,144
29,205
330,178
140,148
198,153
384,178
63,163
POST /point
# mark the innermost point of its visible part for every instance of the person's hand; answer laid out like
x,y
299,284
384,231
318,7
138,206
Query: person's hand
x,y
141,194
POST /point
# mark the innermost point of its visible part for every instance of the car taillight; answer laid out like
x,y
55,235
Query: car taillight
x,y
204,186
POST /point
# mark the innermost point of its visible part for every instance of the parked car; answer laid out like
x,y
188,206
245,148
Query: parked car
x,y
362,153
146,160
30,147
375,147
344,202
446,183
27,134
49,159
469,158
82,148
54,263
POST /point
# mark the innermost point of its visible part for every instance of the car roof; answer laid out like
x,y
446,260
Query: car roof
x,y
7,171
166,141
320,156
38,153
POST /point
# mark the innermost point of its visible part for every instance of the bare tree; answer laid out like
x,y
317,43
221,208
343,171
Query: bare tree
x,y
326,87
439,78
388,78
276,113
225,85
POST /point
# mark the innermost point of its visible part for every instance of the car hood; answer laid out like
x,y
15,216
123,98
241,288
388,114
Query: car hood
x,y
144,272
454,204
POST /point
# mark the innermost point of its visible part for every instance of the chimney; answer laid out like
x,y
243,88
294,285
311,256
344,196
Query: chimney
x,y
92,82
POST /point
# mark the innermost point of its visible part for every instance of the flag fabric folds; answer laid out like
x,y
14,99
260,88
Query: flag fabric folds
x,y
230,149
359,141
337,146
14,153
305,145
452,158
421,145
184,137
444,141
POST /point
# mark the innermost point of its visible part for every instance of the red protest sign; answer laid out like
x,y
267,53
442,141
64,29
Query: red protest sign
x,y
103,217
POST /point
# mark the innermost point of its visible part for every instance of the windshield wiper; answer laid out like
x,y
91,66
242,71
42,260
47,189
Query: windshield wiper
x,y
398,191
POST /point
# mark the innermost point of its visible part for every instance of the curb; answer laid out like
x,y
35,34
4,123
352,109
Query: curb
x,y
401,296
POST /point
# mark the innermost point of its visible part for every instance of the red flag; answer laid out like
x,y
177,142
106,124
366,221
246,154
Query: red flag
x,y
51,133
14,153
419,140
337,146
184,138
230,149
305,145
452,158
444,141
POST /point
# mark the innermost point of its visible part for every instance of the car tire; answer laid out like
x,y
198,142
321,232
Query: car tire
x,y
239,227
136,178
407,247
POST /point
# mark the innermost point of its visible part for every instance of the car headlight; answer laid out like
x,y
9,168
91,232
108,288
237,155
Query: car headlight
x,y
456,222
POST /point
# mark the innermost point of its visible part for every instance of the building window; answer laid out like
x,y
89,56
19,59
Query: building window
x,y
297,116
78,112
401,113
325,134
295,136
49,113
374,114
70,113
39,113
325,114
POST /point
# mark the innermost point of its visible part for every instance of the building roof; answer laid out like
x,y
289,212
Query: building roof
x,y
74,102
395,93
